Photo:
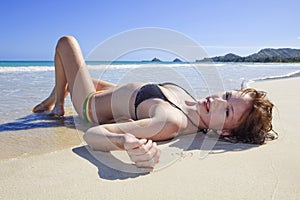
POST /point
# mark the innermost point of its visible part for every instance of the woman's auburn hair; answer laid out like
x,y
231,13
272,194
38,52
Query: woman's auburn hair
x,y
257,125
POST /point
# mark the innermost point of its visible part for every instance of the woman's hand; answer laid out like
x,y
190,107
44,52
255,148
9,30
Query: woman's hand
x,y
144,153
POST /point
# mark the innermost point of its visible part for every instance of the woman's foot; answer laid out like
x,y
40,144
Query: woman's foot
x,y
47,104
44,106
58,111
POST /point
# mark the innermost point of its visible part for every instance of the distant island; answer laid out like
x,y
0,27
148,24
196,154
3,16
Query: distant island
x,y
286,55
158,60
177,60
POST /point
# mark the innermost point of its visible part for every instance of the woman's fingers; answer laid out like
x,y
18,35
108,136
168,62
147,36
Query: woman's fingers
x,y
145,156
131,142
151,162
142,149
144,153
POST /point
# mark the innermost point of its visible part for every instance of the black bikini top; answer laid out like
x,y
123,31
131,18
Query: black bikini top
x,y
150,91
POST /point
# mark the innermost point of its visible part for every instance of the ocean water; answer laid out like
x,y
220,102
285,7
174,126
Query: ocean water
x,y
23,84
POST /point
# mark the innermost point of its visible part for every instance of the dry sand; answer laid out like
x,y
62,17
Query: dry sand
x,y
230,171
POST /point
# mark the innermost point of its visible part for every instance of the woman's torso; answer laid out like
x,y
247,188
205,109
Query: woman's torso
x,y
119,104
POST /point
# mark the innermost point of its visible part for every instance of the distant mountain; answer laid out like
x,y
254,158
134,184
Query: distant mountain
x,y
158,60
264,55
283,53
155,60
177,60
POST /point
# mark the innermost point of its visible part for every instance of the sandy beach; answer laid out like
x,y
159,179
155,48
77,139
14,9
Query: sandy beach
x,y
229,171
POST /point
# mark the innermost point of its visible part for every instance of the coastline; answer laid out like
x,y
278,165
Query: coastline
x,y
291,75
231,171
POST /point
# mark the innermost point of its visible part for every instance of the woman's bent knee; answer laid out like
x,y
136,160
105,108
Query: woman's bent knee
x,y
66,41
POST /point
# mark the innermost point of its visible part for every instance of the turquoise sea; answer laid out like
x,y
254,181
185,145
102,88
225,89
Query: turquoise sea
x,y
23,84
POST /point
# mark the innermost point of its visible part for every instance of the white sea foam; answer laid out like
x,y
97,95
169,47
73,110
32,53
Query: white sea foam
x,y
140,65
7,69
279,76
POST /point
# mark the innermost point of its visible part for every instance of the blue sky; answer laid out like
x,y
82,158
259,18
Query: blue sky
x,y
31,28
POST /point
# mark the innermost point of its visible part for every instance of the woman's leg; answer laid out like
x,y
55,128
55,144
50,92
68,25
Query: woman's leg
x,y
70,69
70,74
102,85
48,103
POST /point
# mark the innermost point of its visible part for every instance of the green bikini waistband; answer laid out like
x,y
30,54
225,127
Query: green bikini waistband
x,y
87,113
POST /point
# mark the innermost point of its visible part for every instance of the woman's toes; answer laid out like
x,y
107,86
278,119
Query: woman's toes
x,y
40,108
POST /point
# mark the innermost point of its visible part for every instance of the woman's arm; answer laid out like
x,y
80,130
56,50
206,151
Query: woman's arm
x,y
132,137
100,139
142,152
136,136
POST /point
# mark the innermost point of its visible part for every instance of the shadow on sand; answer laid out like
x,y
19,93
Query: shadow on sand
x,y
112,167
40,120
104,170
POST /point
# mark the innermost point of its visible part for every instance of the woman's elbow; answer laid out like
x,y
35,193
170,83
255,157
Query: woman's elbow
x,y
90,138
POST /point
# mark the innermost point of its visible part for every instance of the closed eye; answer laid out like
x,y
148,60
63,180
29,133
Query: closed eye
x,y
227,112
227,95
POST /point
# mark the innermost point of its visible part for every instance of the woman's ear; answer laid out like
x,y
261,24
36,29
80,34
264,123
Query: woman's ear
x,y
224,132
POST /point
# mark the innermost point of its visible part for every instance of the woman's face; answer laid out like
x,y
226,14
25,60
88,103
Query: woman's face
x,y
224,111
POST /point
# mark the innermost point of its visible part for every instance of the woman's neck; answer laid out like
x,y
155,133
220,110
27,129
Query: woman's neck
x,y
195,116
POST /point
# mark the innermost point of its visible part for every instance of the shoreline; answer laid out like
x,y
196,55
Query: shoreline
x,y
291,75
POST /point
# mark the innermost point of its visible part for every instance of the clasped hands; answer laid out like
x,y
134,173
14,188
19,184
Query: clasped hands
x,y
144,153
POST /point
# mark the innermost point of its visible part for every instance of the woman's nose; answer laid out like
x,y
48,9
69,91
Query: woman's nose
x,y
219,102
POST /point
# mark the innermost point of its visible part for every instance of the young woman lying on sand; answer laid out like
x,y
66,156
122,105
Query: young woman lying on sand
x,y
150,112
